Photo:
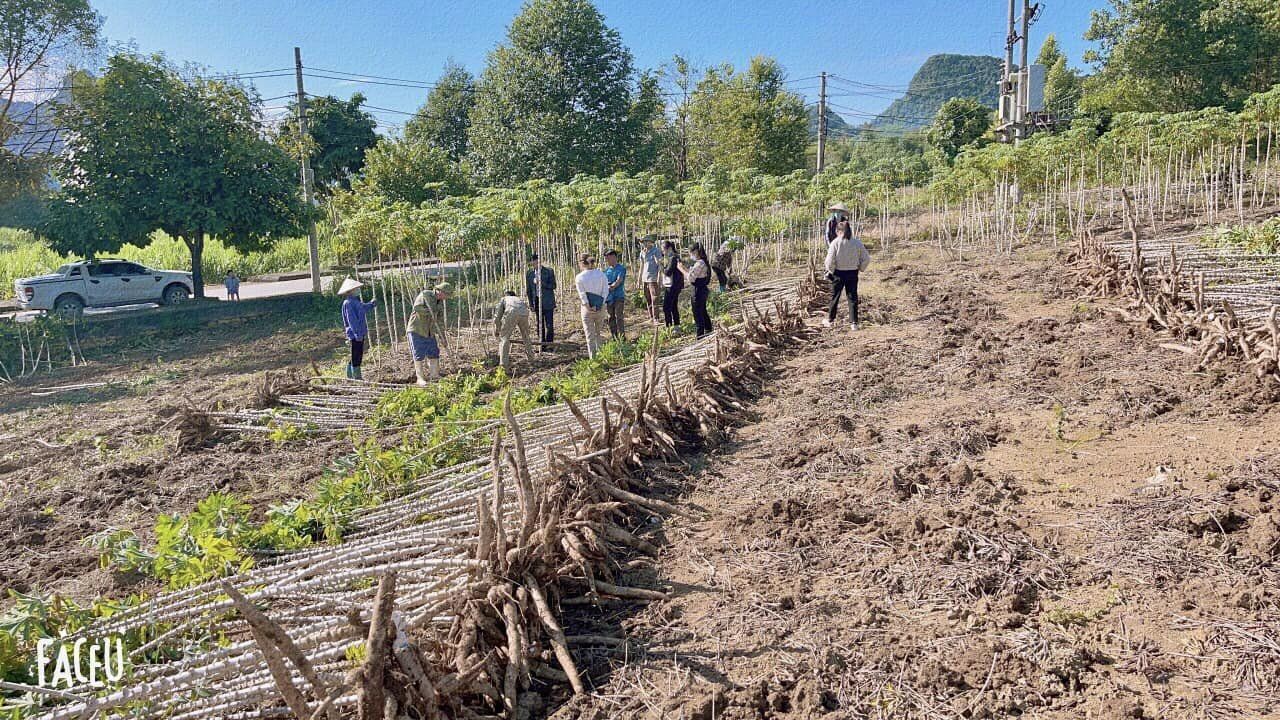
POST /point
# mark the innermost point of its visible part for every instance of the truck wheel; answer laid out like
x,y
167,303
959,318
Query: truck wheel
x,y
68,306
173,295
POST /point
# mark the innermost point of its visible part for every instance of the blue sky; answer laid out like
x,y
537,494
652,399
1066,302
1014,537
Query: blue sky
x,y
874,41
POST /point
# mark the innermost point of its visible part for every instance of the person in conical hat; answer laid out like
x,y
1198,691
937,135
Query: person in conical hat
x,y
354,323
839,211
426,331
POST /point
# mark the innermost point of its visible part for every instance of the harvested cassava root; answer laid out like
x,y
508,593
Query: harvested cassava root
x,y
563,539
1169,298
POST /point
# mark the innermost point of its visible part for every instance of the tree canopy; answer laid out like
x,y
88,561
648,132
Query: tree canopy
x,y
1062,85
445,119
555,99
747,120
39,40
339,133
154,152
960,122
1176,55
413,171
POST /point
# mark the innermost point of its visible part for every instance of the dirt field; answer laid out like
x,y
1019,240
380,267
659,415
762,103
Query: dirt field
x,y
994,501
79,462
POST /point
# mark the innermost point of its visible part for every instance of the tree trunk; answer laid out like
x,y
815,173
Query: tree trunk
x,y
195,243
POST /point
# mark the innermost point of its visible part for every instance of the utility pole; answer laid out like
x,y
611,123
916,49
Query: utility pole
x,y
1024,126
313,245
822,122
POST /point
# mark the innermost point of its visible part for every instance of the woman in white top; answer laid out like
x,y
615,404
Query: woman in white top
x,y
699,276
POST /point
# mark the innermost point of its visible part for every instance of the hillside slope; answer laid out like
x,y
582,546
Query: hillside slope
x,y
939,79
835,123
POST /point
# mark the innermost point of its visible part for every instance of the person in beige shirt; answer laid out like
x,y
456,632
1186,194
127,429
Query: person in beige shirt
x,y
846,257
426,331
512,314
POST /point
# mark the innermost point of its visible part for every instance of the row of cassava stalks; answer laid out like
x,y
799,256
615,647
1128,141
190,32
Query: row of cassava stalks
x,y
1173,295
444,605
339,405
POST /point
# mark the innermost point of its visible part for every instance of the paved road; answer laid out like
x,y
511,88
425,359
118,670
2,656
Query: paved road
x,y
249,290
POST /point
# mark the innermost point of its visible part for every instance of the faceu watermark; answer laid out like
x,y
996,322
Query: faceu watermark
x,y
64,664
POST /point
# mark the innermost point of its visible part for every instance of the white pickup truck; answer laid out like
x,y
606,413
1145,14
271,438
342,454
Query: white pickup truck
x,y
101,283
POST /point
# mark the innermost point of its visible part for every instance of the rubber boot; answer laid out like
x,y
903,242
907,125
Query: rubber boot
x,y
355,373
417,370
351,371
433,366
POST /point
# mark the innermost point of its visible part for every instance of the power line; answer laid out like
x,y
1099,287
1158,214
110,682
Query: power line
x,y
363,81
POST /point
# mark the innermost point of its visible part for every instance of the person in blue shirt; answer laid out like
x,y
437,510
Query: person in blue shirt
x,y
616,273
354,322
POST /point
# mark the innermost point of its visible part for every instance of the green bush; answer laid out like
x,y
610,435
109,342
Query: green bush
x,y
1260,239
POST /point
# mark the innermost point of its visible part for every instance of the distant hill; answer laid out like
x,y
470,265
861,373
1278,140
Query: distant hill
x,y
835,124
939,79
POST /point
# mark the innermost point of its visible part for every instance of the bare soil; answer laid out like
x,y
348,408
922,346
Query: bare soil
x,y
993,501
108,457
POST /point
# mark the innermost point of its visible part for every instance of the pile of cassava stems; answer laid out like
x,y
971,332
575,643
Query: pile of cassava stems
x,y
544,533
1171,298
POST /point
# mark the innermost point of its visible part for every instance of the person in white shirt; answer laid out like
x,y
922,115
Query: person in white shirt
x,y
846,257
699,276
593,288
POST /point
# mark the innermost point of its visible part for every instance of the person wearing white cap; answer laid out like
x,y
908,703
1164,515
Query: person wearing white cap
x,y
354,322
426,331
839,211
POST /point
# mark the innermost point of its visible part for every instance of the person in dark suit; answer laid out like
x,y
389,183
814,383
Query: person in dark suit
x,y
540,288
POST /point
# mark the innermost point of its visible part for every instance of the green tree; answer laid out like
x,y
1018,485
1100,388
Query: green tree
x,y
339,133
747,120
644,124
412,171
1062,84
959,122
680,78
445,118
554,100
152,152
39,40
1177,55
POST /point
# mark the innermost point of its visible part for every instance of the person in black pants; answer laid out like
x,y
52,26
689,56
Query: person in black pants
x,y
540,288
673,283
846,255
700,277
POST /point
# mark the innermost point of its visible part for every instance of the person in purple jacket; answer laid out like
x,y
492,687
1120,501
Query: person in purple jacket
x,y
353,321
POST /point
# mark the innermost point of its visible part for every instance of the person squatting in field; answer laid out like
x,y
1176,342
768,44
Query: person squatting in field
x,y
512,314
426,331
540,288
616,302
354,323
846,257
593,288
650,271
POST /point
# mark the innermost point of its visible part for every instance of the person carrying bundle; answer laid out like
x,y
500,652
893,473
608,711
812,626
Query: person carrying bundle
x,y
846,257
426,331
512,314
